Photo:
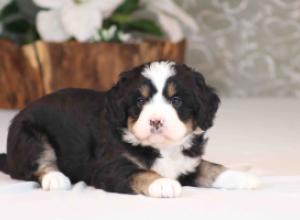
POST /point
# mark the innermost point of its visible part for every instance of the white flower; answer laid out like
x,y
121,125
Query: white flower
x,y
109,33
107,7
124,37
80,19
3,3
52,4
169,14
50,27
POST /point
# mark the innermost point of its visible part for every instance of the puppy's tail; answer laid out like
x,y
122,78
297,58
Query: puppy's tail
x,y
3,164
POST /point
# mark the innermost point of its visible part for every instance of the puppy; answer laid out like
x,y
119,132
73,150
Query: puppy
x,y
144,136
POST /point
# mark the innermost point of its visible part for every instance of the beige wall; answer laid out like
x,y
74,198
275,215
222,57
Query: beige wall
x,y
247,47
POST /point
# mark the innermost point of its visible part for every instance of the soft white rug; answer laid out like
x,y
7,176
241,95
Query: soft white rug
x,y
258,135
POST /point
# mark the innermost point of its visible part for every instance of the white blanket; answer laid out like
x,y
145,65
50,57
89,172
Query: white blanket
x,y
258,135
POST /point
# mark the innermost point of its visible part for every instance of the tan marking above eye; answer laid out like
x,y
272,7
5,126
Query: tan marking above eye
x,y
145,91
171,89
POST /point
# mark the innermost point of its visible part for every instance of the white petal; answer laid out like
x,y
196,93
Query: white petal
x,y
168,6
108,34
124,37
50,27
106,7
97,37
81,21
53,4
171,27
4,3
112,31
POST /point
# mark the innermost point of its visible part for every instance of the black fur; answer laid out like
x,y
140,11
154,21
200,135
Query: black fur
x,y
3,166
84,127
205,101
195,150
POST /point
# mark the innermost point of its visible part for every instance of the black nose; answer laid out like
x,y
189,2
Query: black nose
x,y
156,124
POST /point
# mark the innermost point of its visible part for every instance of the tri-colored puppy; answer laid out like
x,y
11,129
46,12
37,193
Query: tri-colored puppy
x,y
144,136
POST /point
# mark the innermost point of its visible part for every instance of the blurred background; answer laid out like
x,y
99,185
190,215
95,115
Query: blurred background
x,y
245,48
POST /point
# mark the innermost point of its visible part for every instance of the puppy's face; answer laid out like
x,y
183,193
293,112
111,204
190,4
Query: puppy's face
x,y
162,104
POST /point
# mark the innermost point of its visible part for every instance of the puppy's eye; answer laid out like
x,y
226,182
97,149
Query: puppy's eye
x,y
176,101
140,102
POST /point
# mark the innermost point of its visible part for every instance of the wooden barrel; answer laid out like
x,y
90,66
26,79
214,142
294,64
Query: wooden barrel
x,y
36,69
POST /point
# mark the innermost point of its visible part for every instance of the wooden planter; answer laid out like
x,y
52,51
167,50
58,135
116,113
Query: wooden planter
x,y
34,70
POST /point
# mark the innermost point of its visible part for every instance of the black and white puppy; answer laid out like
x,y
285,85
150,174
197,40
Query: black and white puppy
x,y
144,136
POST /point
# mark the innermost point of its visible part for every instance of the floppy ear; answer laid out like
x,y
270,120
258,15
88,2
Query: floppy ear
x,y
208,102
115,106
116,109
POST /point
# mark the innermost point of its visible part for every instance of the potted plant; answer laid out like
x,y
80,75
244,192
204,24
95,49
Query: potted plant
x,y
47,45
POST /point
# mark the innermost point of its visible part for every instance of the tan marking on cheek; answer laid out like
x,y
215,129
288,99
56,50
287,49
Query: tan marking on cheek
x,y
198,131
189,126
141,181
171,89
130,123
208,172
145,91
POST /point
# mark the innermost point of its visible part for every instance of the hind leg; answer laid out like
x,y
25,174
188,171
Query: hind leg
x,y
31,157
217,176
48,173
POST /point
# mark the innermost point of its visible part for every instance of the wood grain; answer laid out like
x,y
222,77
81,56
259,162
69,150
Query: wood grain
x,y
33,70
18,77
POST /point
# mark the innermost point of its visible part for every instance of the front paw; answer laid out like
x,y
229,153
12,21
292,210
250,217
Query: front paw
x,y
231,179
55,180
164,188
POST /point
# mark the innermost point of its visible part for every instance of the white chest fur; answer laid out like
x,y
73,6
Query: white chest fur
x,y
173,163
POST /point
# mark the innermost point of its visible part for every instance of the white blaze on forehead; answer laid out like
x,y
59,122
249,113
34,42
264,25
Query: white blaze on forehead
x,y
158,73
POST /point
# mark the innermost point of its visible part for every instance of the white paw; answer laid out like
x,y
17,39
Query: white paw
x,y
55,180
164,188
231,179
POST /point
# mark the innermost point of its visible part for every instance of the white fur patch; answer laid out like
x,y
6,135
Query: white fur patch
x,y
130,138
165,188
231,179
55,180
173,163
158,73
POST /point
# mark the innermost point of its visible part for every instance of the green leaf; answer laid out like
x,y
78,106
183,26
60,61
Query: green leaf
x,y
18,26
120,19
145,26
128,7
30,36
9,9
